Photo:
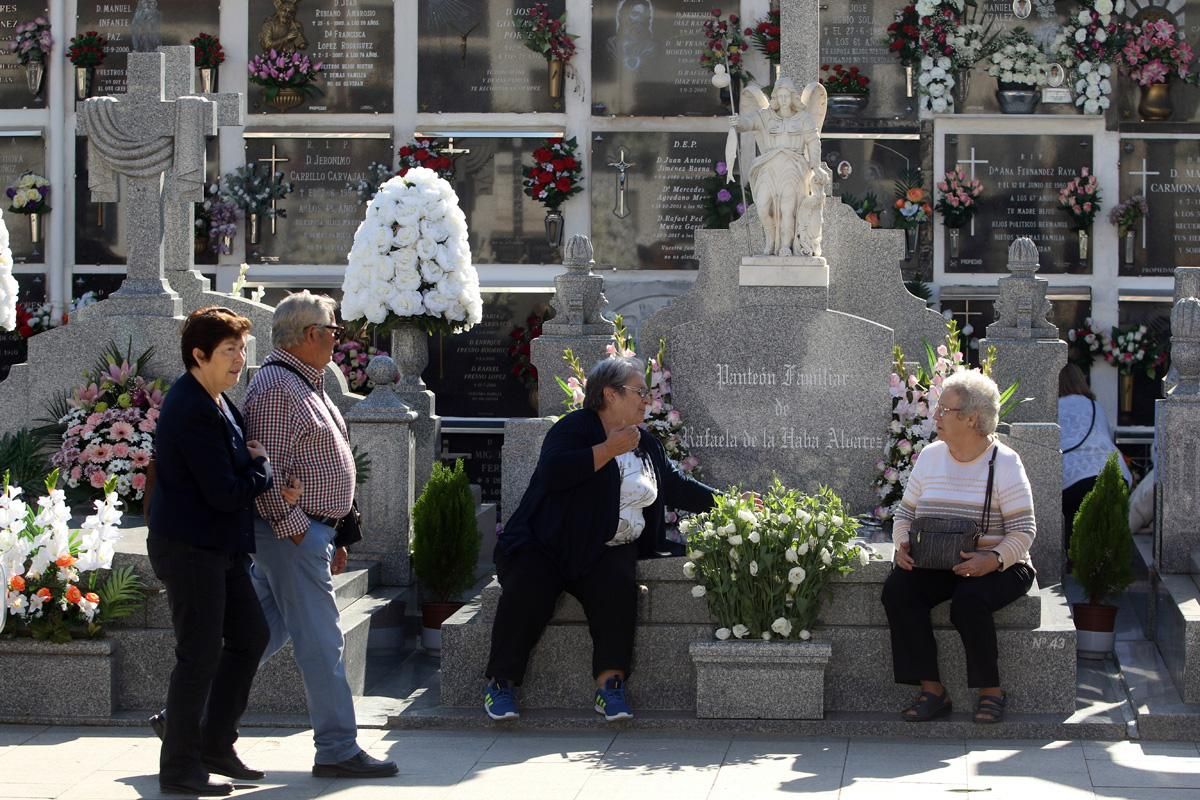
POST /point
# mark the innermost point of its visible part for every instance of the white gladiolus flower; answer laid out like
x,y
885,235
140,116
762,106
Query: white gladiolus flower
x,y
782,626
803,548
747,516
735,540
754,537
754,568
805,635
740,631
684,526
791,556
723,633
826,557
698,591
796,575
689,569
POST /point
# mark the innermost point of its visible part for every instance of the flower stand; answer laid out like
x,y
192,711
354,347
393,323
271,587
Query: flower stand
x,y
760,680
82,668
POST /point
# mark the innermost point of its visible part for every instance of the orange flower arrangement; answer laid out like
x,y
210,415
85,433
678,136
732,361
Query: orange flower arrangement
x,y
73,593
912,203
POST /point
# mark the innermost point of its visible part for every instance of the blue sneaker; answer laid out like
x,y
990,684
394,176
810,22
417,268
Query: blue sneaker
x,y
610,701
499,701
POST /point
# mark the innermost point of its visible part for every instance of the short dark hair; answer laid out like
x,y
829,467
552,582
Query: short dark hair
x,y
206,328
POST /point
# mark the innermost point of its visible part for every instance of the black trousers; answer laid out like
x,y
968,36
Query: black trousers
x,y
532,582
220,635
909,596
1072,498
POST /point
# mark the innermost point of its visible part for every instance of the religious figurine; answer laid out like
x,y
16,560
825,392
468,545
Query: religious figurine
x,y
281,30
633,39
787,130
811,219
144,28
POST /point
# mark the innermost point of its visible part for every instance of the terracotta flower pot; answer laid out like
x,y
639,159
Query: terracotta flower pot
x,y
1094,627
432,617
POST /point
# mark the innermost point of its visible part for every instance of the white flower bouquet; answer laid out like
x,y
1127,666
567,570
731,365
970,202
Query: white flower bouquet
x,y
8,284
764,571
1087,44
1018,60
411,258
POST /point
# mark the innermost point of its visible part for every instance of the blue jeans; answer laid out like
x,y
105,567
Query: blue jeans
x,y
295,589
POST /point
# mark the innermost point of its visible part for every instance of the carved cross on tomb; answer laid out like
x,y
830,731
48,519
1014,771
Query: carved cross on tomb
x,y
155,148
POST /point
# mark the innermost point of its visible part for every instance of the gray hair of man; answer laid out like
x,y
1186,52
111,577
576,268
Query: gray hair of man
x,y
977,394
299,311
615,372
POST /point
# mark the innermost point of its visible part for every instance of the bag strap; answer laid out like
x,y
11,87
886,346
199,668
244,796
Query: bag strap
x,y
1091,425
987,499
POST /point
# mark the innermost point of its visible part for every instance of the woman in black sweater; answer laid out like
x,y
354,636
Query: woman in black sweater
x,y
595,501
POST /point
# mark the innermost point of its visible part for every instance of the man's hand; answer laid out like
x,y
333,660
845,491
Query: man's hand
x,y
293,491
338,564
256,449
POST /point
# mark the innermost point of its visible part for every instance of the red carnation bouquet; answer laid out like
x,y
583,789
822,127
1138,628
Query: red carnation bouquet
x,y
904,36
767,36
425,152
556,173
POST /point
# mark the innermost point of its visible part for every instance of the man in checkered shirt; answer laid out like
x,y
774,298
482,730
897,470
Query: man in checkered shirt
x,y
288,411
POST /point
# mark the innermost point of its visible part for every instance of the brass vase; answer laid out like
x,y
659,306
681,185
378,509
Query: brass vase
x,y
955,237
555,68
554,227
85,79
1156,102
34,72
1130,239
252,227
962,87
911,237
35,228
286,99
1126,392
208,80
908,80
1083,245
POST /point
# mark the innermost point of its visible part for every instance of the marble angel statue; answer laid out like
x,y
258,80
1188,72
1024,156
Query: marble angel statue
x,y
788,179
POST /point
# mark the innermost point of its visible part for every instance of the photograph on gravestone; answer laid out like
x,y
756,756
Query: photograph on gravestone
x,y
352,39
471,57
1184,15
1021,176
20,152
1156,316
853,34
321,213
646,59
21,86
480,451
1166,173
866,167
180,22
504,226
668,183
486,371
99,227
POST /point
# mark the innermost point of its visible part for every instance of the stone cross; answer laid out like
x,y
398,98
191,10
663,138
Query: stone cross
x,y
800,31
157,146
180,216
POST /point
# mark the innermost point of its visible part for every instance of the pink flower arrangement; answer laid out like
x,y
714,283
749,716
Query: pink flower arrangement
x,y
32,41
959,194
275,70
1153,51
352,357
1080,198
108,433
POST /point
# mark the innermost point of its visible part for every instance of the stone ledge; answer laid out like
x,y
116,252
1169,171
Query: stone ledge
x,y
82,669
760,680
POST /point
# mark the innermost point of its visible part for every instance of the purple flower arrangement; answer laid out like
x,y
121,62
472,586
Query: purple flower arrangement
x,y
222,223
32,41
30,194
275,70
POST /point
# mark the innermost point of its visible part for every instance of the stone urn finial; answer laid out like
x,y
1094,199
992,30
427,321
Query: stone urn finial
x,y
1185,346
578,254
382,371
1023,256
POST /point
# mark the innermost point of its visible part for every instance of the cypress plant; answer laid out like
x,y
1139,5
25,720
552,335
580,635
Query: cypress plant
x,y
1102,545
445,545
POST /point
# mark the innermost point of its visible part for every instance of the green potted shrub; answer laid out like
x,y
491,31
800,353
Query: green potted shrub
x,y
1102,555
445,547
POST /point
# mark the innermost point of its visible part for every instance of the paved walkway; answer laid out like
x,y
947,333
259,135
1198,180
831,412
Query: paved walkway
x,y
102,763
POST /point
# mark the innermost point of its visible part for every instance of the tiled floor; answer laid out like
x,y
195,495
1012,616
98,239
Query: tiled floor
x,y
118,763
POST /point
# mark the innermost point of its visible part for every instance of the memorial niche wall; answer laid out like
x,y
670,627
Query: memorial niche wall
x,y
14,90
853,34
870,166
182,20
1166,173
352,38
321,212
667,192
472,59
23,151
1021,176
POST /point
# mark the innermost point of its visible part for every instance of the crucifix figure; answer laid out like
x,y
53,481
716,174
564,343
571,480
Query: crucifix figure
x,y
157,146
1144,174
971,162
621,208
453,152
271,164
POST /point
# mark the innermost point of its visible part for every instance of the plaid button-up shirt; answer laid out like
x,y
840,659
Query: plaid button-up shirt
x,y
305,437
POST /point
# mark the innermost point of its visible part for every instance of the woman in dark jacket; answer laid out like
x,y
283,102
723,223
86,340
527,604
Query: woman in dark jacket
x,y
595,500
201,530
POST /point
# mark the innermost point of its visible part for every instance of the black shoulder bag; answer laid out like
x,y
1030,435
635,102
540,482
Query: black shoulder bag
x,y
349,528
935,542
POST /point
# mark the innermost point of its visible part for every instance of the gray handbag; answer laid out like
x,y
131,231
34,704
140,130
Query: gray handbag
x,y
935,542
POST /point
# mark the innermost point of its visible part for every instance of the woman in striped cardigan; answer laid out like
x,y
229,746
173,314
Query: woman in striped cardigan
x,y
950,480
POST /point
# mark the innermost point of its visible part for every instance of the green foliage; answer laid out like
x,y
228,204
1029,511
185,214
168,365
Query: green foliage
x,y
362,465
1102,545
24,460
445,546
120,595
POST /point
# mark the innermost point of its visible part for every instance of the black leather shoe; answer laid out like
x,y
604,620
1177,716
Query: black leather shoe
x,y
158,723
231,766
195,786
359,766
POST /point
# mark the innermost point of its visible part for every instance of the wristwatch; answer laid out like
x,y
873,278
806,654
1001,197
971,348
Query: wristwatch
x,y
999,559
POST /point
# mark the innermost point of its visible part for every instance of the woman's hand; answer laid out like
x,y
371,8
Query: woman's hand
x,y
902,558
756,497
293,491
256,449
976,564
623,440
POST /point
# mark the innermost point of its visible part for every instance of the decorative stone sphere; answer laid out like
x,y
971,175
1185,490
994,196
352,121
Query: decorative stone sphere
x,y
382,371
1023,255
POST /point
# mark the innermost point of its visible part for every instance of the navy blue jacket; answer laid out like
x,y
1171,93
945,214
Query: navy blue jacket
x,y
570,509
206,481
